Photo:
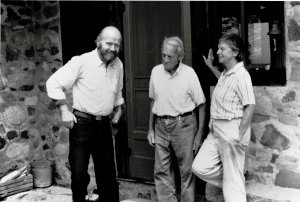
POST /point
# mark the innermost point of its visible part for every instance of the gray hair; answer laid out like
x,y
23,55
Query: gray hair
x,y
176,42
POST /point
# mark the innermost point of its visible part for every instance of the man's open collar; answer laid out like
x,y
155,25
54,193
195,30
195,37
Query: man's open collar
x,y
177,70
99,62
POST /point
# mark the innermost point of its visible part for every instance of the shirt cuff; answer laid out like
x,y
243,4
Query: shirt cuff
x,y
119,102
201,102
57,96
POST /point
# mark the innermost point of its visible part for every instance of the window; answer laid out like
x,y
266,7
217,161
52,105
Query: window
x,y
261,25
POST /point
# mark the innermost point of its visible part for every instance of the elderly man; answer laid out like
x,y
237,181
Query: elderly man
x,y
175,92
96,79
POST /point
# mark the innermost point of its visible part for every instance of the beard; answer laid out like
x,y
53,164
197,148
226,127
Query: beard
x,y
106,55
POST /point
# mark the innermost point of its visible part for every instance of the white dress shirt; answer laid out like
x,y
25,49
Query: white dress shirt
x,y
96,89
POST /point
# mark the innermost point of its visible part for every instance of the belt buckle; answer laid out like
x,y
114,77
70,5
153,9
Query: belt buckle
x,y
98,118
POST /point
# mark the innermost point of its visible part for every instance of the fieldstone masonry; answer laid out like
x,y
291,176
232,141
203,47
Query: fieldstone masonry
x,y
30,52
31,129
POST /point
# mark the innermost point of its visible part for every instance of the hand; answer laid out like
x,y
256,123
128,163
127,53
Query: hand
x,y
210,58
242,131
68,118
117,113
150,138
198,141
115,119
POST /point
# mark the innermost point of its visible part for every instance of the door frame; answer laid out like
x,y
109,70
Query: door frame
x,y
128,46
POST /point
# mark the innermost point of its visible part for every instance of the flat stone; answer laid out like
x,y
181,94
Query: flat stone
x,y
31,100
2,129
258,118
137,200
61,149
263,105
53,194
257,192
289,97
15,115
267,193
288,178
274,139
287,119
295,70
17,150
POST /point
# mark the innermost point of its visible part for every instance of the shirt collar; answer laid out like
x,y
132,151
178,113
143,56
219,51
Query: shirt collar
x,y
176,72
99,62
234,69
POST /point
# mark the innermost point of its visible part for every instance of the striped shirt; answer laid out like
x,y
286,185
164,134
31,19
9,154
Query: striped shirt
x,y
96,89
233,91
176,94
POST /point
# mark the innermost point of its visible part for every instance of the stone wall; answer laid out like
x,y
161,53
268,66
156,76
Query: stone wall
x,y
273,157
30,53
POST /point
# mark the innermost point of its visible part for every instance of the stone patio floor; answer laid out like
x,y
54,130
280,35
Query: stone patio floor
x,y
134,191
129,192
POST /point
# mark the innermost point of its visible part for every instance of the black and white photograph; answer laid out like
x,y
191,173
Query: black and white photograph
x,y
150,101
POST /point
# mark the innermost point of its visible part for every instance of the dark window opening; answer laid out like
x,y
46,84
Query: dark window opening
x,y
261,25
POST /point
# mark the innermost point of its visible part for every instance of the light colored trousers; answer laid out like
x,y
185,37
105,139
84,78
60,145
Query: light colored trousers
x,y
221,158
179,134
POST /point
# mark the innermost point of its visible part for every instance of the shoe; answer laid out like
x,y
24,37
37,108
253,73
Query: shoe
x,y
92,196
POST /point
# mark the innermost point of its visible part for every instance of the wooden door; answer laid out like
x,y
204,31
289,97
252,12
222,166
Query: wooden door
x,y
145,26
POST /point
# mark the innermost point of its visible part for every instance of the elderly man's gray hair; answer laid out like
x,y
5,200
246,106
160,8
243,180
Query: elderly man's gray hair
x,y
176,42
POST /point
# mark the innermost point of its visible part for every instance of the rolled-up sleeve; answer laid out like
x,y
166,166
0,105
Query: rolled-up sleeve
x,y
63,79
245,89
119,100
196,91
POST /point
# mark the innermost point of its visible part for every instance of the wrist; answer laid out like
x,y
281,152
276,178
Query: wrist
x,y
63,108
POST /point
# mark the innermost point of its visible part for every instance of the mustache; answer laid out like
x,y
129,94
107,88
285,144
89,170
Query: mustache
x,y
115,53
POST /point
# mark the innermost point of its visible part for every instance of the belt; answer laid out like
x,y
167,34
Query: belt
x,y
89,116
175,117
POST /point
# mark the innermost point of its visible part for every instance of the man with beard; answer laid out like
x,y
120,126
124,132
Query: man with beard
x,y
96,79
175,93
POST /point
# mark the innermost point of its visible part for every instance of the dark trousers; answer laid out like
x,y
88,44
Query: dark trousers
x,y
92,137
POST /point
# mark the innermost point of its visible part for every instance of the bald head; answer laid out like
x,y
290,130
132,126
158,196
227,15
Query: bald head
x,y
111,32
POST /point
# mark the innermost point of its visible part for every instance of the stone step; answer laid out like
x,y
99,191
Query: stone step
x,y
137,200
257,192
